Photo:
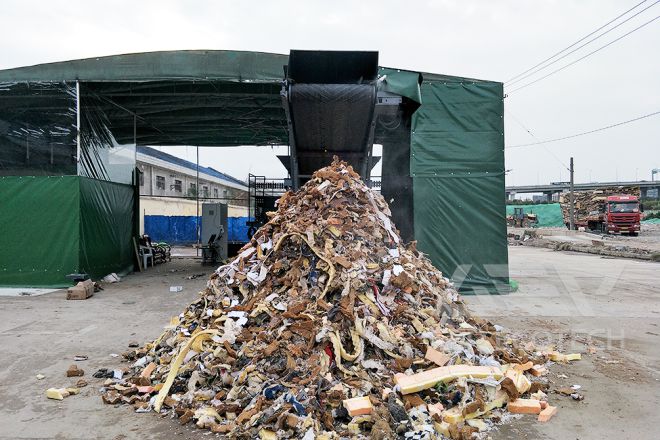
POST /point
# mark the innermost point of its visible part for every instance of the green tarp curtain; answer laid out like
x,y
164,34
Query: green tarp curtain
x,y
457,165
461,228
56,225
549,215
458,129
106,227
39,224
401,82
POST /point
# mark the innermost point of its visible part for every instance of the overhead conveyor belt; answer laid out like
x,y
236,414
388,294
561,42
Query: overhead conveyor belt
x,y
330,99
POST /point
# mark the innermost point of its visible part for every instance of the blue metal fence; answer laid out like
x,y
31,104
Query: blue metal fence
x,y
180,229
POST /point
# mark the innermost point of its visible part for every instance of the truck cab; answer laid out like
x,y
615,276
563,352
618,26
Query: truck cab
x,y
622,215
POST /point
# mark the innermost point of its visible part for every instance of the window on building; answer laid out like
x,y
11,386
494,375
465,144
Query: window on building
x,y
192,190
224,193
215,192
160,182
177,186
205,191
141,174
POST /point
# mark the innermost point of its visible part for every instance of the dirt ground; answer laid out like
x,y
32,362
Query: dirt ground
x,y
571,299
648,239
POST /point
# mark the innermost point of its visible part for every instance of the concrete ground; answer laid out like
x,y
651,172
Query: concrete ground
x,y
578,301
571,299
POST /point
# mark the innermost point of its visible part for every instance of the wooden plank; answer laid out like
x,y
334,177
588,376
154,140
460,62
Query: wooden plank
x,y
137,255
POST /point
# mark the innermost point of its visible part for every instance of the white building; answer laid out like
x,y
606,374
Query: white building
x,y
167,175
168,187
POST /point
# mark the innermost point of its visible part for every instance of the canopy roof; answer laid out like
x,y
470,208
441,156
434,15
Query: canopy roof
x,y
192,97
196,65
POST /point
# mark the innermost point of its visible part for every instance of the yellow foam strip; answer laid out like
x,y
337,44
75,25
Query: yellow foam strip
x,y
427,379
174,369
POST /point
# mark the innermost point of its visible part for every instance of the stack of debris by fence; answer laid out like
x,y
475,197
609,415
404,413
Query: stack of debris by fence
x,y
325,326
588,202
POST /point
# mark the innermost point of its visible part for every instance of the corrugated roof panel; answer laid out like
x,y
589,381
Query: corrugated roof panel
x,y
149,151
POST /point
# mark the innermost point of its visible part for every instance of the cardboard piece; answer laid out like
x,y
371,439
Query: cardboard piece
x,y
436,356
82,290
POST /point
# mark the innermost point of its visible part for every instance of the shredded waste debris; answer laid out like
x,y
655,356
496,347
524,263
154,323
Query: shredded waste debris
x,y
327,326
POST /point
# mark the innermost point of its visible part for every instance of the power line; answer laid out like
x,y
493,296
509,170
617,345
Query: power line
x,y
586,132
578,41
537,139
522,76
583,57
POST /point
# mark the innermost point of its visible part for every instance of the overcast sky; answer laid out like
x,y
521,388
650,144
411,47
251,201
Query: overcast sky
x,y
486,39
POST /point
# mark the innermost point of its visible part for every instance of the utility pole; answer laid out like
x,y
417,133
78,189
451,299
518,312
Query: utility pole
x,y
197,199
571,207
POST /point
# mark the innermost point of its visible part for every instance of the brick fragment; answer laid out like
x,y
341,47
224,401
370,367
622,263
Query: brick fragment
x,y
547,413
358,406
524,406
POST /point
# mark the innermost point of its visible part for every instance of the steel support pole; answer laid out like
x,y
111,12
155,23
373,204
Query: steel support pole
x,y
572,201
293,153
78,128
197,198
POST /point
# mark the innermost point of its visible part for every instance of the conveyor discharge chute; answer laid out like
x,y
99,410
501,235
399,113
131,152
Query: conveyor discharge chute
x,y
330,100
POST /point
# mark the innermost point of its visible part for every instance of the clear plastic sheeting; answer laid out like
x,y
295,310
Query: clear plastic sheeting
x,y
38,129
39,134
101,156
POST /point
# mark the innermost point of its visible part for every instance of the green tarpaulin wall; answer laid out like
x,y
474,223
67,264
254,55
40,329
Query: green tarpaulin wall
x,y
39,224
56,225
457,166
549,215
106,227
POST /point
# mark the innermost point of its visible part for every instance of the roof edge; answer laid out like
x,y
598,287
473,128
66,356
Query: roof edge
x,y
199,64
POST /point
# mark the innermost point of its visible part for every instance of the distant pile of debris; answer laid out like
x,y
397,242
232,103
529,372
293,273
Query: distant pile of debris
x,y
327,326
588,202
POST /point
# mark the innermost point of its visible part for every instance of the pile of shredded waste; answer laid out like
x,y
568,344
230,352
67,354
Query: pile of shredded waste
x,y
327,326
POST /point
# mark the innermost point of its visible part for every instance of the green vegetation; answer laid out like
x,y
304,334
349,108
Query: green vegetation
x,y
651,205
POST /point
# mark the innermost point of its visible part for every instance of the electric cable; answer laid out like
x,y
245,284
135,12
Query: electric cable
x,y
537,139
583,57
523,76
585,132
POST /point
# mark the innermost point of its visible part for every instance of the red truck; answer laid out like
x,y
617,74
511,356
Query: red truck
x,y
616,214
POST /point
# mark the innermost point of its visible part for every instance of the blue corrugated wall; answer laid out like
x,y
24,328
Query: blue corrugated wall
x,y
237,229
180,229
